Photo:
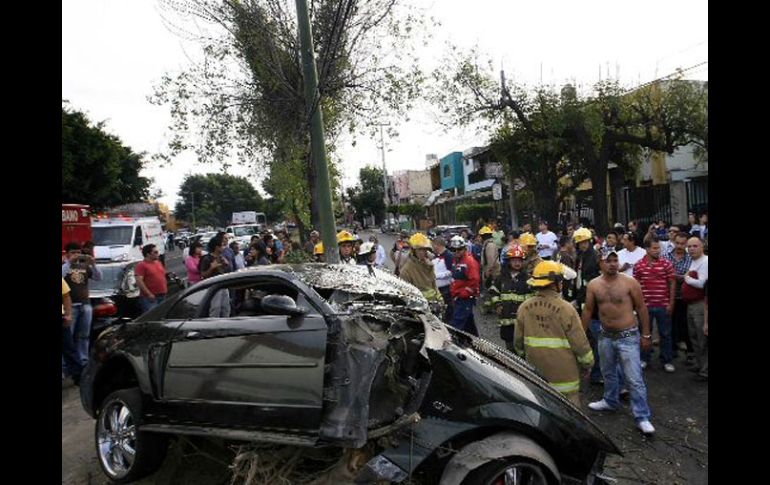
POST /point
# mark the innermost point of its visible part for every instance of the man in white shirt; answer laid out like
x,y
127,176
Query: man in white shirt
x,y
379,262
632,253
696,278
547,242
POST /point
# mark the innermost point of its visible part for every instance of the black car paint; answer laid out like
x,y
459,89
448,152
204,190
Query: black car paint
x,y
492,397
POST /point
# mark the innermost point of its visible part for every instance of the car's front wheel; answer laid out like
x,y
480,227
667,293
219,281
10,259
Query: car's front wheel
x,y
510,471
126,454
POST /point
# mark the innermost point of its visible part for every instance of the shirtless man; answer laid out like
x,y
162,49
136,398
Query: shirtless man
x,y
617,296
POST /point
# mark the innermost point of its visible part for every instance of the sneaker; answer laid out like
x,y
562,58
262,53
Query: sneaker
x,y
644,365
646,427
600,406
669,367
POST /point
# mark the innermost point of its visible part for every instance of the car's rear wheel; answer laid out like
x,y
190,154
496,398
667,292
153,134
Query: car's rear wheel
x,y
126,454
510,471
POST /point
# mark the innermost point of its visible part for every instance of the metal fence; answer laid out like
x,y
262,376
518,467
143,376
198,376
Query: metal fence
x,y
648,204
698,195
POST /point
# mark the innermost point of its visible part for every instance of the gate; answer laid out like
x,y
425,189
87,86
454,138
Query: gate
x,y
698,195
647,205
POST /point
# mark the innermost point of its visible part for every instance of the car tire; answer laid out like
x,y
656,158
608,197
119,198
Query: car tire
x,y
529,472
116,436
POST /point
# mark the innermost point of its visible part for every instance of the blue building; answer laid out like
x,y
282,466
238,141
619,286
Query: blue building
x,y
452,176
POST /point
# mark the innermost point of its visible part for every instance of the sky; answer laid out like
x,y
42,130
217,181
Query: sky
x,y
114,51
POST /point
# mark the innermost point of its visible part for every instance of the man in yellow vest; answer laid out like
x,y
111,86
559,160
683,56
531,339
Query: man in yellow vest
x,y
549,333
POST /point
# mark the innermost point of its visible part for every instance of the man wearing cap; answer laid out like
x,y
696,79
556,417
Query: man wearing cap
x,y
529,244
418,269
587,269
514,290
548,333
465,287
345,241
617,296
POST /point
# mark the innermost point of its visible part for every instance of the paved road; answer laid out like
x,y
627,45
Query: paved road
x,y
678,454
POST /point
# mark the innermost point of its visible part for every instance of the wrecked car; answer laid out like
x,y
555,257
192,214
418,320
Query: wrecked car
x,y
332,359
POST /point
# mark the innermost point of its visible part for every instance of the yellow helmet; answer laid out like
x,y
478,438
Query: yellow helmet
x,y
345,236
527,239
485,230
318,248
545,273
582,234
419,241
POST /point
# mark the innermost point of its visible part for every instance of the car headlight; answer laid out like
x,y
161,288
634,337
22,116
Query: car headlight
x,y
122,257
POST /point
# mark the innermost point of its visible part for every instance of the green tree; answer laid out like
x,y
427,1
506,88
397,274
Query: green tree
x,y
368,196
470,213
216,196
413,211
97,169
579,134
245,100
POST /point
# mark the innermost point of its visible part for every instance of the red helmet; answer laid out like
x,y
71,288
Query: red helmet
x,y
515,251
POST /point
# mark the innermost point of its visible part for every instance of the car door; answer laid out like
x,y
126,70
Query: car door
x,y
256,372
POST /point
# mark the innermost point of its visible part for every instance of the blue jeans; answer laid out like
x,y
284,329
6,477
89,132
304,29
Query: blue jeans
x,y
596,370
624,351
71,364
145,304
82,314
659,315
463,317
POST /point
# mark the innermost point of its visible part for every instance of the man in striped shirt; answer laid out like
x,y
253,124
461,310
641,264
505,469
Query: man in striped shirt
x,y
658,281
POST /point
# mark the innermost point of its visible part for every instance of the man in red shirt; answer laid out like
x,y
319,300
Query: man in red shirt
x,y
465,287
151,279
657,278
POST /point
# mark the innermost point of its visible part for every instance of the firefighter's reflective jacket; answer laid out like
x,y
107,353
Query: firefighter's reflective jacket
x,y
532,260
421,274
549,335
514,290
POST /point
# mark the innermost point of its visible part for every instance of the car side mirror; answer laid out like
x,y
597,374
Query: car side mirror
x,y
281,305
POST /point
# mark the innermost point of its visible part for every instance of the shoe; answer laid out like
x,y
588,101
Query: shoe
x,y
601,406
655,342
682,346
625,394
644,365
669,367
646,427
701,378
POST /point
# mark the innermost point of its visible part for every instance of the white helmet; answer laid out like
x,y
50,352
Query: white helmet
x,y
457,242
367,248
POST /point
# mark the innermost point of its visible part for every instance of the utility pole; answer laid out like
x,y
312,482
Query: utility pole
x,y
384,172
511,193
317,146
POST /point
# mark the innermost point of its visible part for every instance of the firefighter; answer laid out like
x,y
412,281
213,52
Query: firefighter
x,y
318,253
465,287
532,259
513,291
345,241
418,269
490,267
549,333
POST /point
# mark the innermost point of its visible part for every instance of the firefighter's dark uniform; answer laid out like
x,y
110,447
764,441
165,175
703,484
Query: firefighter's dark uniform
x,y
514,290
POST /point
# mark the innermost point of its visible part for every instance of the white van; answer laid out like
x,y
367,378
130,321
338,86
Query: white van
x,y
243,232
122,238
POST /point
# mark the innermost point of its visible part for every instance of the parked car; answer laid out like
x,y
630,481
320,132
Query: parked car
x,y
323,358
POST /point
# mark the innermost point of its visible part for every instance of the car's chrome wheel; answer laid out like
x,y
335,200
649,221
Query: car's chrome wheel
x,y
521,473
116,439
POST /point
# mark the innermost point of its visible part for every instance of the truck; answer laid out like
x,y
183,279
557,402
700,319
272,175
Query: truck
x,y
75,224
120,239
249,217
